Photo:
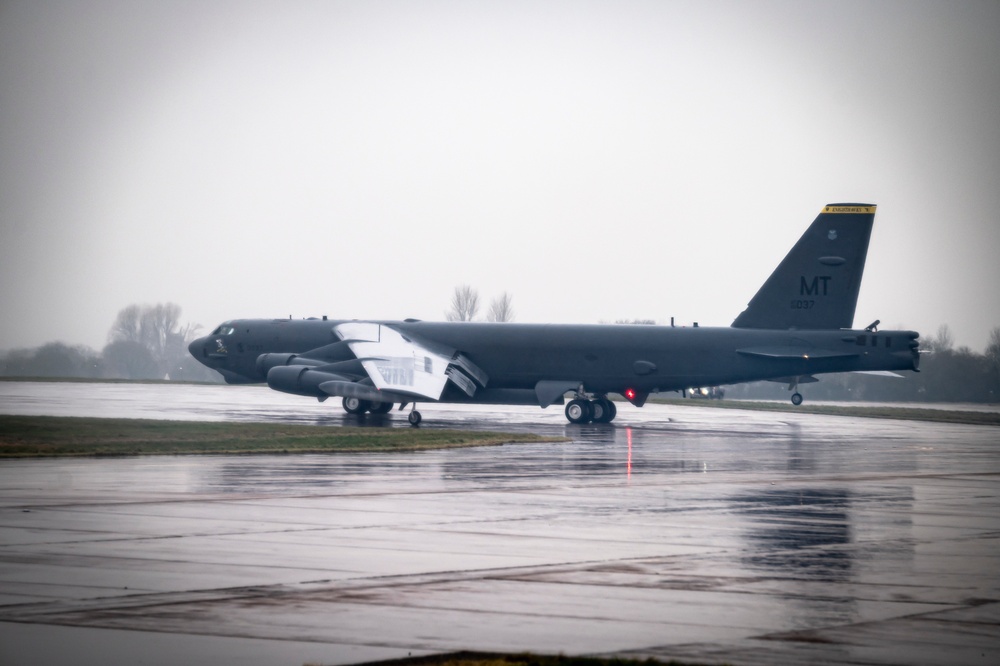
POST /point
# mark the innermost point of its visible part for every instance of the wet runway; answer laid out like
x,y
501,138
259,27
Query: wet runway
x,y
677,532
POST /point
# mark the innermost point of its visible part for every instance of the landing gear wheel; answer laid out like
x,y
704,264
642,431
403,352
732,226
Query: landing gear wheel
x,y
380,408
414,418
578,411
356,405
796,399
603,411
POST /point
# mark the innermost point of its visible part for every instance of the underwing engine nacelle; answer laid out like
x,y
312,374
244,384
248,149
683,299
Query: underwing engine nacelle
x,y
267,361
301,380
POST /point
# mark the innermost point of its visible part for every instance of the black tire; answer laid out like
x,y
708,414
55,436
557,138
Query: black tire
x,y
578,411
603,411
796,399
414,418
356,405
608,411
380,408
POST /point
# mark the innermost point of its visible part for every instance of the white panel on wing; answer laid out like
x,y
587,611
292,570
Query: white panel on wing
x,y
358,331
393,362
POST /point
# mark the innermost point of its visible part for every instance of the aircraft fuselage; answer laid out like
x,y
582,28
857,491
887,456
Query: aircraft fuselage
x,y
604,358
798,324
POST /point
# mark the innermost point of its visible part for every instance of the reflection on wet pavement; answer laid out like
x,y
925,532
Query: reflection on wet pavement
x,y
703,535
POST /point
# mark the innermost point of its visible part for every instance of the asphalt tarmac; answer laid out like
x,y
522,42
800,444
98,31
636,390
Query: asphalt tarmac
x,y
675,532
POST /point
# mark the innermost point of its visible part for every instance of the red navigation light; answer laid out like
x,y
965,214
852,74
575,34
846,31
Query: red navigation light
x,y
630,393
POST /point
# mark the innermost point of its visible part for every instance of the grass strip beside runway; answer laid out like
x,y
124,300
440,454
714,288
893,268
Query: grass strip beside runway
x,y
846,409
45,436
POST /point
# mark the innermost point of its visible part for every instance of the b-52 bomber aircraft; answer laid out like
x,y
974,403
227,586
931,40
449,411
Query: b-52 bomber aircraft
x,y
798,325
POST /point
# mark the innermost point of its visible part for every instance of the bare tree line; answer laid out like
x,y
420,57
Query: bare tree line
x,y
465,306
144,342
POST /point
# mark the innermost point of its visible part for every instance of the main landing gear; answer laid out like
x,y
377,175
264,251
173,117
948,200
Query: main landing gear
x,y
359,406
599,410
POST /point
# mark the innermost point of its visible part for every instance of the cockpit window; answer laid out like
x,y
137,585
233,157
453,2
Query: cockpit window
x,y
224,330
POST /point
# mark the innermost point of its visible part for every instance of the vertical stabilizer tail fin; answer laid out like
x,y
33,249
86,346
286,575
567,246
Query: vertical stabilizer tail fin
x,y
816,285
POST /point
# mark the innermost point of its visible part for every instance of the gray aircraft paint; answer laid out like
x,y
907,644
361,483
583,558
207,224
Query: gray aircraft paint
x,y
816,285
797,325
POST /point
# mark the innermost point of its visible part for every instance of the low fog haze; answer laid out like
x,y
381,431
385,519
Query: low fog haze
x,y
596,160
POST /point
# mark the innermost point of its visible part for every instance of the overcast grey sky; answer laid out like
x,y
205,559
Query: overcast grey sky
x,y
598,160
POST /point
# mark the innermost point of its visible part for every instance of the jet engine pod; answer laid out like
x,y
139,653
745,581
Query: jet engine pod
x,y
914,350
267,361
300,380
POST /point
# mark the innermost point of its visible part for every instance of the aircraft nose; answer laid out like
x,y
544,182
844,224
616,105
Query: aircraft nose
x,y
197,347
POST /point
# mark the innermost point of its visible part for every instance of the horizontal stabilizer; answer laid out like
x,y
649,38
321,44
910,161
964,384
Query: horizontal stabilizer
x,y
878,373
798,353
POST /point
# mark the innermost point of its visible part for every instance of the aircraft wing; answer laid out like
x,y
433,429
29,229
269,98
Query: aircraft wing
x,y
401,364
